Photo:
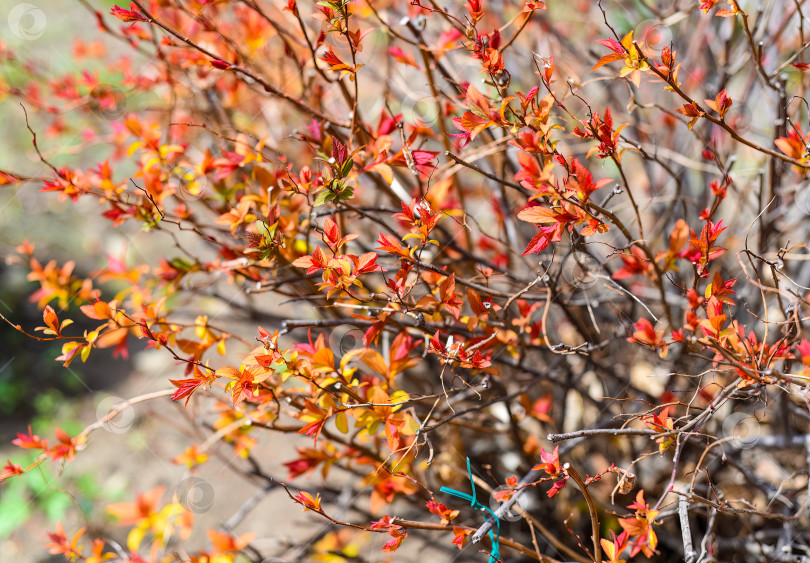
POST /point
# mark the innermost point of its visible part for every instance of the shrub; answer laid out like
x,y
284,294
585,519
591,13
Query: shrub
x,y
550,255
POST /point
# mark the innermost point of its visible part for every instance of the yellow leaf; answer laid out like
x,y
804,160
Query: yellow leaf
x,y
135,538
385,171
398,397
133,147
374,361
324,358
229,372
341,422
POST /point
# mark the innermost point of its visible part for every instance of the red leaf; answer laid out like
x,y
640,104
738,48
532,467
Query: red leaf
x,y
396,540
220,64
30,441
402,56
128,16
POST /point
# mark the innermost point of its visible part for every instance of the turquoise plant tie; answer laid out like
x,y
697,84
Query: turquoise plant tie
x,y
495,555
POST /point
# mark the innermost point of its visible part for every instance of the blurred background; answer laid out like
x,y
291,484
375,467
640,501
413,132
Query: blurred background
x,y
130,454
50,38
35,389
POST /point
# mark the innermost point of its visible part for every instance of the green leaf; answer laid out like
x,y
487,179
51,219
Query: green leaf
x,y
56,505
346,168
323,197
14,506
181,264
346,193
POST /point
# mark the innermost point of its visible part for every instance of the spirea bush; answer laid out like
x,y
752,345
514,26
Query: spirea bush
x,y
532,276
